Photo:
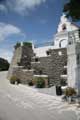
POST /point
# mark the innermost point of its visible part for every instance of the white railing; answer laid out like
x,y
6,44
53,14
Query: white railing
x,y
73,36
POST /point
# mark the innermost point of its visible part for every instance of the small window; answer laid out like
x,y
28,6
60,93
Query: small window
x,y
65,72
47,52
64,27
69,43
36,59
34,54
40,72
65,63
78,59
60,44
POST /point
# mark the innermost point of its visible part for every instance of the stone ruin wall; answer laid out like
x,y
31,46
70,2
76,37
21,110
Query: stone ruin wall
x,y
15,59
52,65
20,63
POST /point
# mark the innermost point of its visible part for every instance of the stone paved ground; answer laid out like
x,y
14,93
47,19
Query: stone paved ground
x,y
25,103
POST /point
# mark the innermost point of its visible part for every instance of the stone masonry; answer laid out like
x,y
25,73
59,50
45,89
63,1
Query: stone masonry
x,y
58,61
52,65
25,64
21,64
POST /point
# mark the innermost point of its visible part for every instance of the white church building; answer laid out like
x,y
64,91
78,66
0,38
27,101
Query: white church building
x,y
66,49
61,38
67,36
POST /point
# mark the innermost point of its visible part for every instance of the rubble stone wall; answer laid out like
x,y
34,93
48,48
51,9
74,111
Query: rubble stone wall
x,y
52,65
24,66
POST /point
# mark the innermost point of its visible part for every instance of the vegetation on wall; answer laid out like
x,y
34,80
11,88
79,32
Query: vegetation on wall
x,y
29,44
30,83
4,64
14,80
17,45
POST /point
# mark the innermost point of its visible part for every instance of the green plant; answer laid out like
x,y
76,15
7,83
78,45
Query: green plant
x,y
14,80
17,45
30,83
40,82
27,44
4,64
69,91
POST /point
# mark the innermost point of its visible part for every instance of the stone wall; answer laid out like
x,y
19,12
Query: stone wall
x,y
42,65
15,59
58,61
21,63
52,65
24,75
27,54
24,64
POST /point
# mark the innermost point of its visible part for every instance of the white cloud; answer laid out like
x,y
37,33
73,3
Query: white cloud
x,y
6,54
3,8
22,6
7,29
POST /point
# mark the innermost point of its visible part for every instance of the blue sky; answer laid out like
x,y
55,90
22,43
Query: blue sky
x,y
27,20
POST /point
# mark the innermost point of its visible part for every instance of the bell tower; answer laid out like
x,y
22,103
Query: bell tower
x,y
61,37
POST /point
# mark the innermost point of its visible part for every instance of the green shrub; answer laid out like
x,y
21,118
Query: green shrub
x,y
30,83
17,45
69,91
14,80
4,64
27,44
40,82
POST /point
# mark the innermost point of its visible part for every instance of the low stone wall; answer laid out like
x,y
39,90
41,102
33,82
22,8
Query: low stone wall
x,y
23,74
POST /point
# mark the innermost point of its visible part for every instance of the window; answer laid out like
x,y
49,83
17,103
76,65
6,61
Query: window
x,y
78,58
34,54
40,72
69,43
65,72
60,44
47,52
36,59
64,27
